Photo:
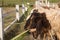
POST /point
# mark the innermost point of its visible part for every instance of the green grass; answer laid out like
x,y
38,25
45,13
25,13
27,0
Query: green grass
x,y
14,2
54,1
20,36
11,3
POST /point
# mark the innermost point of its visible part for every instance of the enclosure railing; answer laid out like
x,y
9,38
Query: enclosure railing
x,y
17,18
1,21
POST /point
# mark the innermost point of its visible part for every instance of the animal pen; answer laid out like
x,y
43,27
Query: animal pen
x,y
20,13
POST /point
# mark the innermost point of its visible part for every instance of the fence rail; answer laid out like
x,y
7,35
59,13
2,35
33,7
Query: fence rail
x,y
17,19
17,12
10,25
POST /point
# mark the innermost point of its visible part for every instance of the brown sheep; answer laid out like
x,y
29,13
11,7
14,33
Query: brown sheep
x,y
39,22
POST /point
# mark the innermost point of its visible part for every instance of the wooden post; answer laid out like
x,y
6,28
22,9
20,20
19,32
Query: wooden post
x,y
1,25
17,12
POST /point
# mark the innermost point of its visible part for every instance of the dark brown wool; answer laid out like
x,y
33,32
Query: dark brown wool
x,y
39,21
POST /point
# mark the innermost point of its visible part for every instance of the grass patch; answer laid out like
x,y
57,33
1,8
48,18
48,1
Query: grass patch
x,y
21,36
54,1
12,3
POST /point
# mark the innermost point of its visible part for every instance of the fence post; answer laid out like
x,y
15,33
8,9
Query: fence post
x,y
1,24
17,12
23,8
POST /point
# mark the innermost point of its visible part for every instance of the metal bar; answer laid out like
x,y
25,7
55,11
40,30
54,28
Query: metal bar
x,y
10,25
